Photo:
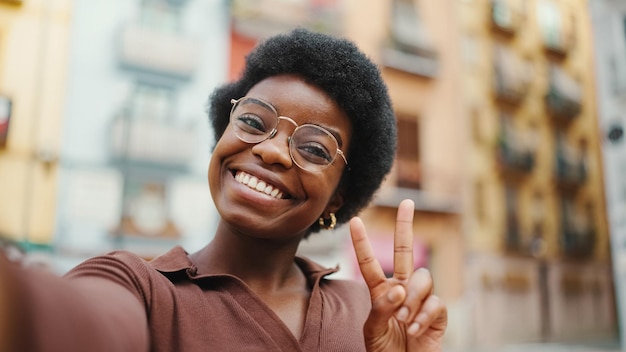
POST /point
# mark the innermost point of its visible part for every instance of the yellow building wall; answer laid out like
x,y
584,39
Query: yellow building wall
x,y
487,234
34,40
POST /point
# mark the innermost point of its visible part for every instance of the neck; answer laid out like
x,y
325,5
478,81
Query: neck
x,y
264,264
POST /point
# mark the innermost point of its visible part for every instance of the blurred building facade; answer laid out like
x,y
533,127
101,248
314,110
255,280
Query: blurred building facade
x,y
34,41
499,148
538,249
104,139
136,138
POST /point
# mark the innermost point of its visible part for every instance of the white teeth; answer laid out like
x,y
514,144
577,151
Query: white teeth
x,y
254,183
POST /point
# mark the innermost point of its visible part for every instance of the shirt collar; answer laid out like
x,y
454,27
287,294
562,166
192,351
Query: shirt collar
x,y
177,260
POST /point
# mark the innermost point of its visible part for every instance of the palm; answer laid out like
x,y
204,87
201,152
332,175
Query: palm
x,y
422,324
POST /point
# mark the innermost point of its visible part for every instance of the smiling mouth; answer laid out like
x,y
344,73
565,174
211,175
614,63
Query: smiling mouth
x,y
258,185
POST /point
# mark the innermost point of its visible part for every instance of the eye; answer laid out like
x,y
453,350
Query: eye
x,y
314,152
250,123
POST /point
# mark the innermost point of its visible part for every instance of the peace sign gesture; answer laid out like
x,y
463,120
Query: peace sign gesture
x,y
405,315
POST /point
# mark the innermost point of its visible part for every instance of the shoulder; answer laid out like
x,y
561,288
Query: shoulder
x,y
130,270
113,263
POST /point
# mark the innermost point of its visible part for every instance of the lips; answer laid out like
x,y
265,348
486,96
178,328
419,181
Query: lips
x,y
258,185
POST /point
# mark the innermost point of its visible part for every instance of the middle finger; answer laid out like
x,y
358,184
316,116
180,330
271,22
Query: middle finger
x,y
403,264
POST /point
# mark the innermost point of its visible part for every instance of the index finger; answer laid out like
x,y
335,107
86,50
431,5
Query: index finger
x,y
403,264
371,270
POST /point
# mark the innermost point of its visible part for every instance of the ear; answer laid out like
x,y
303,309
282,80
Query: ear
x,y
335,203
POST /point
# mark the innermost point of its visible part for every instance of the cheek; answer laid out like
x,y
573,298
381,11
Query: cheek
x,y
322,186
222,150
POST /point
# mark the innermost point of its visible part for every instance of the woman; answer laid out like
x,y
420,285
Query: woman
x,y
304,139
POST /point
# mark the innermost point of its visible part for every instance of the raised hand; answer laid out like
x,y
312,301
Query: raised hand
x,y
405,315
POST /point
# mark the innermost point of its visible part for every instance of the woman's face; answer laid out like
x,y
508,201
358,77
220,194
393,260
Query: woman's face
x,y
297,197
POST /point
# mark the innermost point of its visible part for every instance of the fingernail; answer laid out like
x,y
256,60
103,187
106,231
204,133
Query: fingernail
x,y
402,314
413,329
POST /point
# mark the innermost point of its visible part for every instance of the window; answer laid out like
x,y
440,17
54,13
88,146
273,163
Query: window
x,y
513,75
406,28
408,47
564,96
557,27
409,172
578,229
152,102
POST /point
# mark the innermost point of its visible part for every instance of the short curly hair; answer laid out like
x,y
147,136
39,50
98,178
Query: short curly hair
x,y
354,82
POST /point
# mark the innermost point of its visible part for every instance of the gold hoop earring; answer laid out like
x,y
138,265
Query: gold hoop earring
x,y
333,222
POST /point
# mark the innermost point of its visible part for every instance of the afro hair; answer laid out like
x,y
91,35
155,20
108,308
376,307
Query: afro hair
x,y
354,82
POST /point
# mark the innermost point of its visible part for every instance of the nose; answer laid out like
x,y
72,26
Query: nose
x,y
275,149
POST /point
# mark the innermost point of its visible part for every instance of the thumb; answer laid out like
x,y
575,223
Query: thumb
x,y
383,308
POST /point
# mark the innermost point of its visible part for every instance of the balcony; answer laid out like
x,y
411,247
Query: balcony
x,y
578,243
516,150
570,172
556,27
419,61
515,159
505,17
511,76
146,49
558,44
409,46
263,18
150,142
564,97
578,232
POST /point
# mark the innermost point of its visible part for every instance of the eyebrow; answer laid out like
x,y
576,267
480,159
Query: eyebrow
x,y
332,131
261,103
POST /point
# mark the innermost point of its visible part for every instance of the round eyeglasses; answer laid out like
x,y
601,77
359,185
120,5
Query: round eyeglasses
x,y
311,147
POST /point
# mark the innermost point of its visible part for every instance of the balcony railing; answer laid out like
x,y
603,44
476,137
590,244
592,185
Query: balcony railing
x,y
556,28
561,106
516,159
564,97
421,63
578,243
505,17
516,150
570,171
263,18
511,76
409,46
151,142
167,53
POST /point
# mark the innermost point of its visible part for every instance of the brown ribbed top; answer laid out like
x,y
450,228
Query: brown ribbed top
x,y
184,311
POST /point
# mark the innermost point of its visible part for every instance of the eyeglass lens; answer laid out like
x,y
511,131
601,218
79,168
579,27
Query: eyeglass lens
x,y
311,147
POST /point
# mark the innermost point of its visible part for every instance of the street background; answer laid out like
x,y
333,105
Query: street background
x,y
511,145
